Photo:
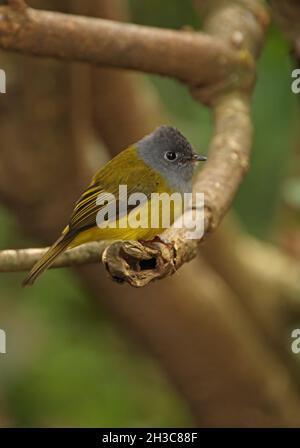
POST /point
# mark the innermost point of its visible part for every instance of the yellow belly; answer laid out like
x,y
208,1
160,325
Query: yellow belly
x,y
96,234
123,229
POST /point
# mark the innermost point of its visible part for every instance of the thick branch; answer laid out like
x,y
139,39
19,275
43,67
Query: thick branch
x,y
114,44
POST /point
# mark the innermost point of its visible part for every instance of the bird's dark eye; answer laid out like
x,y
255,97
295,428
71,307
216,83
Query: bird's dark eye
x,y
170,156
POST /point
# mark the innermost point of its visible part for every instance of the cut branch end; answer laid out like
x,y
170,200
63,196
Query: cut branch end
x,y
138,264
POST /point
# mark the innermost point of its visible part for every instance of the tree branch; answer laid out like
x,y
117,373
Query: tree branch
x,y
16,260
188,330
228,156
219,180
165,52
114,44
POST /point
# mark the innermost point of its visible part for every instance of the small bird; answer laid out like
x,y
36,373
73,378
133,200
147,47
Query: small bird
x,y
162,161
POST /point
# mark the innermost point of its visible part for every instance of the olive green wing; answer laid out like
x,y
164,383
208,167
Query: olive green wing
x,y
139,180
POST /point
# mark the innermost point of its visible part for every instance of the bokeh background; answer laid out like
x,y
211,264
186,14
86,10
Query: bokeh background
x,y
68,362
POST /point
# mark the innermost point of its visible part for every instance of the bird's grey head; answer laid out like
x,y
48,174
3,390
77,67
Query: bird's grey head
x,y
167,151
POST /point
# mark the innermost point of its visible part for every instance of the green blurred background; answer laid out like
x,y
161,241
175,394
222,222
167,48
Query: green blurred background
x,y
69,366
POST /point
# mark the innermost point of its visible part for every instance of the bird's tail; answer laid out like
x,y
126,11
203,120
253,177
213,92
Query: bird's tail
x,y
46,261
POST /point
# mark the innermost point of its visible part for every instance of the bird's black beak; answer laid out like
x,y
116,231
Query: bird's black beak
x,y
198,158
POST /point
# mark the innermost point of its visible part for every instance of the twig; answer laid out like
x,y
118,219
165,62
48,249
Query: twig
x,y
23,259
115,44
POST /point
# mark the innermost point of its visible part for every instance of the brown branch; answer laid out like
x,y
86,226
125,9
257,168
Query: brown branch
x,y
229,245
16,260
183,319
219,180
114,44
114,89
229,153
42,33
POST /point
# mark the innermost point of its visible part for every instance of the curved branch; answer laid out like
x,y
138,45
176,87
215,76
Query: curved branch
x,y
229,154
114,44
170,53
173,328
225,169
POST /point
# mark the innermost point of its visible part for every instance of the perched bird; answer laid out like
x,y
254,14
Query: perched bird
x,y
162,161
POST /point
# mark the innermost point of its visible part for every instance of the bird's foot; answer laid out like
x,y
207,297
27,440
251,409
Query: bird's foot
x,y
156,239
